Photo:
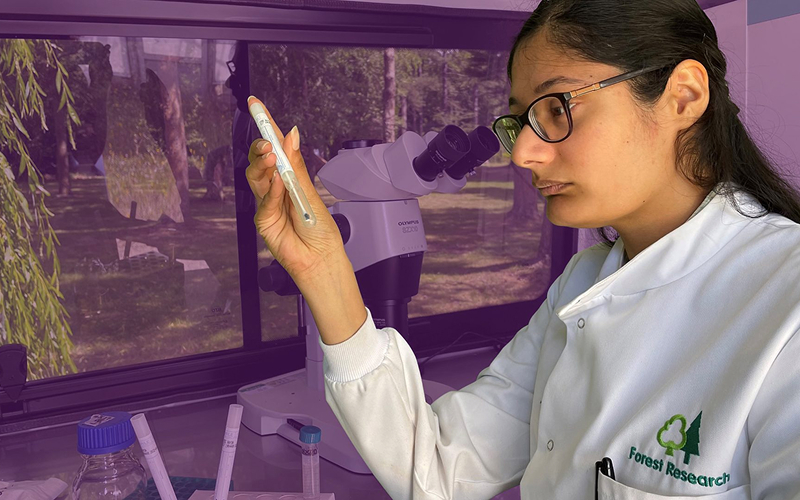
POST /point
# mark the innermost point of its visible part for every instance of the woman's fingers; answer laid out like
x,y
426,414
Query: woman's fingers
x,y
275,126
260,170
300,169
271,207
259,147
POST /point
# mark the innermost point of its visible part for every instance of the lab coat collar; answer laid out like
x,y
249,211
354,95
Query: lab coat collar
x,y
674,255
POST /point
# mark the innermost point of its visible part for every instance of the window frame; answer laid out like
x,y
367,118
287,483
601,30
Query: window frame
x,y
319,22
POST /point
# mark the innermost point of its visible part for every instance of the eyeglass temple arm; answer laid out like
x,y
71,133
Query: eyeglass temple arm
x,y
609,82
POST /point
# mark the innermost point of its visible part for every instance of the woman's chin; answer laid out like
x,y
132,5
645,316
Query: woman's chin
x,y
559,213
562,215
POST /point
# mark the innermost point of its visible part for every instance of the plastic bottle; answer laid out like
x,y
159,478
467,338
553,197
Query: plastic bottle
x,y
110,468
310,436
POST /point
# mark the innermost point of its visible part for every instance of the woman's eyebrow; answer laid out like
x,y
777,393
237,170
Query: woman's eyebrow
x,y
546,85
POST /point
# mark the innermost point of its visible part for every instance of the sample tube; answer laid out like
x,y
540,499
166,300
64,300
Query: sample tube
x,y
228,452
285,169
153,457
310,435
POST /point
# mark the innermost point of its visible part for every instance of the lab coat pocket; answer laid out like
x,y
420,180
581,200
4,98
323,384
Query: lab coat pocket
x,y
609,489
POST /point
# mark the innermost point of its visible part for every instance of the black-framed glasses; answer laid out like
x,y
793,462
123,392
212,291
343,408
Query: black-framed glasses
x,y
550,116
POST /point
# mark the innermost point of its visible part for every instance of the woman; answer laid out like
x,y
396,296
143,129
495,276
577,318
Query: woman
x,y
662,363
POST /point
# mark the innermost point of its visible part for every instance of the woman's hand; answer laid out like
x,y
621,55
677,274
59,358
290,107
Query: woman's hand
x,y
301,250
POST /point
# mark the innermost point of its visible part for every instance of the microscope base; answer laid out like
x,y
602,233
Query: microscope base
x,y
269,403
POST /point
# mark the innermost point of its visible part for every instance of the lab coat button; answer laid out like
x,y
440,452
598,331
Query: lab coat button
x,y
550,445
581,323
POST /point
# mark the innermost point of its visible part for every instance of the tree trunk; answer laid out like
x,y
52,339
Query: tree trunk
x,y
389,93
304,82
476,108
62,151
403,114
419,121
100,73
411,113
445,94
175,135
135,48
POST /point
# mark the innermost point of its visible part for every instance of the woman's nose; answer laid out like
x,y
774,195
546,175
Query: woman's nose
x,y
530,149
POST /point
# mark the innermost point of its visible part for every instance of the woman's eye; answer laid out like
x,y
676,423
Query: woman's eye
x,y
559,110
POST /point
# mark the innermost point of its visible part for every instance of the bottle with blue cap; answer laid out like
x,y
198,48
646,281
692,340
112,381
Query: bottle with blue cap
x,y
110,468
310,436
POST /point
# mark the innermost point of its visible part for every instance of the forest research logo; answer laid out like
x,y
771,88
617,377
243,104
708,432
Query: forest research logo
x,y
689,439
675,436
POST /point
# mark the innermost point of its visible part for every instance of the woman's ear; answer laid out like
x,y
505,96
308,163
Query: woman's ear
x,y
687,94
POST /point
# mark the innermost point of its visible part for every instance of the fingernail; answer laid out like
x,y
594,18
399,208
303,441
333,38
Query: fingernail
x,y
274,174
295,138
261,145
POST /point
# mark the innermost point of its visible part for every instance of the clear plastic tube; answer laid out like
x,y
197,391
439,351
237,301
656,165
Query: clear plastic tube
x,y
285,169
310,470
153,457
228,452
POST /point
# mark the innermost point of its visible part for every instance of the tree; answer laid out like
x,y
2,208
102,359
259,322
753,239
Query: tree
x,y
692,446
30,309
161,95
389,93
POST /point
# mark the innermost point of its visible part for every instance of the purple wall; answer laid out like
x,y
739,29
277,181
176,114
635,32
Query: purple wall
x,y
730,22
763,71
773,70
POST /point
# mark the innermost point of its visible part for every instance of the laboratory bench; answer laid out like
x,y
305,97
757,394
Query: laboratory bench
x,y
189,437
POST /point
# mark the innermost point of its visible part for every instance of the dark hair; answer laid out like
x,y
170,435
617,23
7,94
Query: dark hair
x,y
632,35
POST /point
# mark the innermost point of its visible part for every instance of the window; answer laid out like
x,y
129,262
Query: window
x,y
483,242
147,222
158,252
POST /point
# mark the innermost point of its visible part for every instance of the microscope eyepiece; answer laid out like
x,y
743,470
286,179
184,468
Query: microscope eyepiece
x,y
483,145
449,146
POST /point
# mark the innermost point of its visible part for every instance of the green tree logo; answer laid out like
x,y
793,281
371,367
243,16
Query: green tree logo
x,y
670,445
692,446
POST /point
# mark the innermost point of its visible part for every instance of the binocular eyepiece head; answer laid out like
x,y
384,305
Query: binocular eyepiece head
x,y
454,152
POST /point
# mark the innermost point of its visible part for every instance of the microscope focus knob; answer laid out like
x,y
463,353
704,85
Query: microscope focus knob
x,y
344,226
274,278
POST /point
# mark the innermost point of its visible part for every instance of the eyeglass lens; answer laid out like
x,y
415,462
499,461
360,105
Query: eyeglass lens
x,y
548,118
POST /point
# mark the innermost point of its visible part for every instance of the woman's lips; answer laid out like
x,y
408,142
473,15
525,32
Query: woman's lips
x,y
551,190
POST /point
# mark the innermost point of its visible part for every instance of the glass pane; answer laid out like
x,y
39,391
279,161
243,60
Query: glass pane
x,y
550,118
144,210
489,243
507,131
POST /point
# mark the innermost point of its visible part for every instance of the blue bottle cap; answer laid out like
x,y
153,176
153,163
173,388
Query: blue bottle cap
x,y
310,434
104,433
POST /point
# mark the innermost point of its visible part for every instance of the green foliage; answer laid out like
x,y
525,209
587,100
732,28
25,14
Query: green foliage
x,y
30,309
336,93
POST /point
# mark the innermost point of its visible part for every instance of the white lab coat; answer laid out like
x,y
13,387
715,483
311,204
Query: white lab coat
x,y
682,366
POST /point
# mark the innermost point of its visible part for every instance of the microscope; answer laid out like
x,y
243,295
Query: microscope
x,y
381,227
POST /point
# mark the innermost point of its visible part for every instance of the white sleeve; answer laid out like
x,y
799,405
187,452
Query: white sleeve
x,y
469,444
774,429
